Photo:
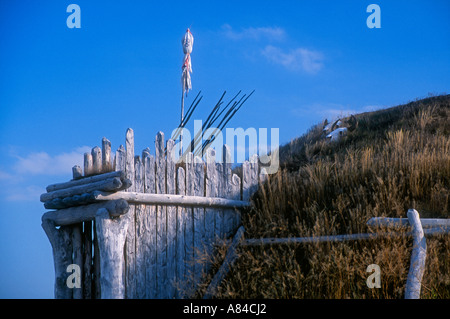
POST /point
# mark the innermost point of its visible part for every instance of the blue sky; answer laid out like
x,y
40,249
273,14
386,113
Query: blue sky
x,y
62,90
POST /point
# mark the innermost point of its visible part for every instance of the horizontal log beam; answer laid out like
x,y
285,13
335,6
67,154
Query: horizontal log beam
x,y
303,240
84,213
85,180
393,222
71,201
169,199
109,184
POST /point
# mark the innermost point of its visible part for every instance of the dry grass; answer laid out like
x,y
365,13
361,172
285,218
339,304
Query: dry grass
x,y
395,159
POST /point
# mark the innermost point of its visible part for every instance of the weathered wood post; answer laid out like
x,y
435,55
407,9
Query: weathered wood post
x,y
418,257
61,242
112,233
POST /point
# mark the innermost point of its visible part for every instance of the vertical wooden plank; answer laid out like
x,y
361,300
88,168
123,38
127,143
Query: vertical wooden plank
x,y
88,166
161,218
189,226
120,159
112,234
87,260
211,191
119,165
130,244
246,181
77,172
77,258
236,194
228,214
149,236
106,155
254,174
140,230
199,239
180,253
220,192
96,160
96,291
171,221
61,242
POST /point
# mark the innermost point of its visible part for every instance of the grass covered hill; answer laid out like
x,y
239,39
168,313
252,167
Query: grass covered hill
x,y
391,160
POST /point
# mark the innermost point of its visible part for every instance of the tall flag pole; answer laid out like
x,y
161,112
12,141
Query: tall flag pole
x,y
187,42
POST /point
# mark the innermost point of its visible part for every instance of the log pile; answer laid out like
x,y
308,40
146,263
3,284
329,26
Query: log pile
x,y
81,191
99,175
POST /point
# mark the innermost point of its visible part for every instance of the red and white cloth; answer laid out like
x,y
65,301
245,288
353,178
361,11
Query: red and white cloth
x,y
187,42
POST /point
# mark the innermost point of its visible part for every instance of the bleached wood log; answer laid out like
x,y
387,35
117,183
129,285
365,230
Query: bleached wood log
x,y
131,234
120,159
149,236
246,181
106,155
317,239
79,214
66,202
161,219
112,233
230,259
180,235
189,233
393,222
60,240
228,214
236,194
86,180
96,160
88,164
199,223
418,257
119,165
54,204
109,184
210,191
87,260
96,286
218,215
77,172
141,215
171,220
77,258
167,199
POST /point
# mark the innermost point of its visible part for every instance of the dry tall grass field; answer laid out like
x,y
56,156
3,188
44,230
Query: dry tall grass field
x,y
394,159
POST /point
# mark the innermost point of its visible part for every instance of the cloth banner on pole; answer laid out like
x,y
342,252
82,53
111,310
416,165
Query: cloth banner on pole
x,y
187,41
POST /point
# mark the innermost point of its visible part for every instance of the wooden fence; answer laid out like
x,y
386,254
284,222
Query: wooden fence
x,y
143,226
420,229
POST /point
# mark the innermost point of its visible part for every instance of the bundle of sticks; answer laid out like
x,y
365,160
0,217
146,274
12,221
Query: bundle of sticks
x,y
219,114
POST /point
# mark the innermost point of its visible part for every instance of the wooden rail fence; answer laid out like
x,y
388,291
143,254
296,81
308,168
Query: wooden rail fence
x,y
146,227
143,226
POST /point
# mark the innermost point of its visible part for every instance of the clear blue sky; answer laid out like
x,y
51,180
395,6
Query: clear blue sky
x,y
62,90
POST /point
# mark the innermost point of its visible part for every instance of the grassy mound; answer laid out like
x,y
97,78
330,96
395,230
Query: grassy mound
x,y
393,160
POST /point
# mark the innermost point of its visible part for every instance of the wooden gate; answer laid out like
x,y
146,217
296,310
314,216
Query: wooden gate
x,y
143,226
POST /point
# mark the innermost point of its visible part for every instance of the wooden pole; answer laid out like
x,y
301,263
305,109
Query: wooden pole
x,y
73,215
172,199
109,184
61,242
182,117
418,257
111,240
230,259
425,222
